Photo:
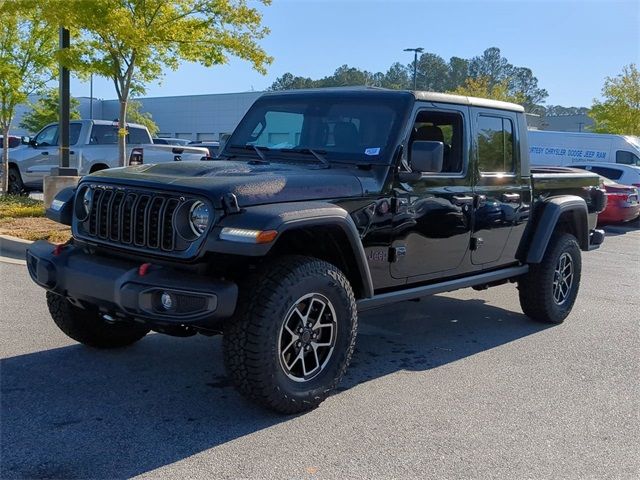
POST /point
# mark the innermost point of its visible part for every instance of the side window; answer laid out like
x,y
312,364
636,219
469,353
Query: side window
x,y
627,158
74,133
445,127
137,136
610,173
495,145
104,135
47,137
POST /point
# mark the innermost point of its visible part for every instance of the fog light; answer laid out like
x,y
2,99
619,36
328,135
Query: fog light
x,y
167,301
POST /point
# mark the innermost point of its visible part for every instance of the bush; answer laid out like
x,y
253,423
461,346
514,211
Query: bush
x,y
13,206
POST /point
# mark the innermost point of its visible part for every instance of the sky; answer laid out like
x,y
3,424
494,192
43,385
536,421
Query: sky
x,y
571,46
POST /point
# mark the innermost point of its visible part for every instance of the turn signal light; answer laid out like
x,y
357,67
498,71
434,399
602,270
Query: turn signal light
x,y
243,235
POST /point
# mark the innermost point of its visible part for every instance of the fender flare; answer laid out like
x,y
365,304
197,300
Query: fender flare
x,y
286,217
549,214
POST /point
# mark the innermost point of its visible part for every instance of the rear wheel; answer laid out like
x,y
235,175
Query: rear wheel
x,y
293,335
88,327
549,290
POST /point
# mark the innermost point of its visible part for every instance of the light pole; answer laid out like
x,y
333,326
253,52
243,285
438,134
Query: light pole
x,y
415,51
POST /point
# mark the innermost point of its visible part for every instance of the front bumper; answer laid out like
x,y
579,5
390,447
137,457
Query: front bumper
x,y
119,287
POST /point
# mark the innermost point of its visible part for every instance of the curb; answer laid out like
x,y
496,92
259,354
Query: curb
x,y
13,248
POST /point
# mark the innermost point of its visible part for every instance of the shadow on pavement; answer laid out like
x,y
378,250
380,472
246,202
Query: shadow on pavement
x,y
621,228
74,412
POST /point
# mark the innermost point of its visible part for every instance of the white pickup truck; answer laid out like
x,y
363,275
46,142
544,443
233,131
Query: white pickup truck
x,y
93,147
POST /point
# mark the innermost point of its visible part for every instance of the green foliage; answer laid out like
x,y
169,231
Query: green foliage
x,y
619,112
132,41
46,110
27,46
433,73
134,115
559,110
14,206
483,87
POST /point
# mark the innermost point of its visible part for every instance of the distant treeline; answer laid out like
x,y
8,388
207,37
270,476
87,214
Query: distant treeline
x,y
436,74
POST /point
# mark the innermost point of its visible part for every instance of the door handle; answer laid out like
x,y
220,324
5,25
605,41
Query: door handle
x,y
44,152
510,197
462,199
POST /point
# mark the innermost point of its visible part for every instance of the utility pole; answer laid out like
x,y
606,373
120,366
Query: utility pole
x,y
63,126
91,97
63,176
415,51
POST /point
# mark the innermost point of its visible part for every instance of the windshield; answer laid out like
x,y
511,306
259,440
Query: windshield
x,y
339,128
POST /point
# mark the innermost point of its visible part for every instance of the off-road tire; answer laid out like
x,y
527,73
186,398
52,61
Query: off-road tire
x,y
16,185
88,328
536,287
252,336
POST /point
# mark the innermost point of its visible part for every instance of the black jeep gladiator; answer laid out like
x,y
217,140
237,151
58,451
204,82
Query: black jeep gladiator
x,y
322,204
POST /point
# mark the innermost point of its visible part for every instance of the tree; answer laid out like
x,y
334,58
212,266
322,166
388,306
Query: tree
x,y
432,73
27,53
484,87
458,72
132,41
290,82
134,115
520,82
619,112
397,77
46,110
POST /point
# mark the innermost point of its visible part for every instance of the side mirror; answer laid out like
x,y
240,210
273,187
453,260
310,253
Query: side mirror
x,y
33,143
25,140
426,156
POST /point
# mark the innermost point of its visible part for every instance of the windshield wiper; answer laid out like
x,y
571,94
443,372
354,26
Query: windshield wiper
x,y
319,154
256,148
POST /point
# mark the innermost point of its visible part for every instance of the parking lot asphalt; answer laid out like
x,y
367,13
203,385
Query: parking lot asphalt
x,y
460,385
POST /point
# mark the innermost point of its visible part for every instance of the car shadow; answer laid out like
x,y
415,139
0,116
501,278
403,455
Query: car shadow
x,y
614,230
74,412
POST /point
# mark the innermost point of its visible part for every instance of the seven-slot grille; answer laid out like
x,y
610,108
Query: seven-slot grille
x,y
131,218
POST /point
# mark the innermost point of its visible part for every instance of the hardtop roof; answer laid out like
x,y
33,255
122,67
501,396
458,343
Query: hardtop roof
x,y
417,95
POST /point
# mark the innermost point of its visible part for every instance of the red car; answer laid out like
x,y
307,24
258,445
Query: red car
x,y
622,203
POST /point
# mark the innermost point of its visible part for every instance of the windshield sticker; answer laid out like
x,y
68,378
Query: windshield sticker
x,y
372,151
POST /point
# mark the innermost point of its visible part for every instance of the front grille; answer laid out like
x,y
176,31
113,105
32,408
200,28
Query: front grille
x,y
137,219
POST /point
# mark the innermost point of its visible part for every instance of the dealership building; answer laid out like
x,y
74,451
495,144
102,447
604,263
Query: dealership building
x,y
193,117
207,117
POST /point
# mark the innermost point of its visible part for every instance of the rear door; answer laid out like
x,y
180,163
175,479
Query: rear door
x,y
500,192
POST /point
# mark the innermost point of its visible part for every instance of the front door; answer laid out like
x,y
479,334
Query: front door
x,y
432,215
499,194
44,157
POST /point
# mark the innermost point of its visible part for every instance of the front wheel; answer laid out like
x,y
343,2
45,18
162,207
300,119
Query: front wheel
x,y
88,327
291,340
549,290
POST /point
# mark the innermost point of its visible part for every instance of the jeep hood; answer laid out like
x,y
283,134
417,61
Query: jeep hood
x,y
252,184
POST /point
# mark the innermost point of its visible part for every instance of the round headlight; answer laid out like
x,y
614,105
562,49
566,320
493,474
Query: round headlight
x,y
199,218
83,203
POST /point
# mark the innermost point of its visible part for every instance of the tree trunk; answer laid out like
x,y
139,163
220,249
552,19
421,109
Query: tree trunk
x,y
122,135
5,160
